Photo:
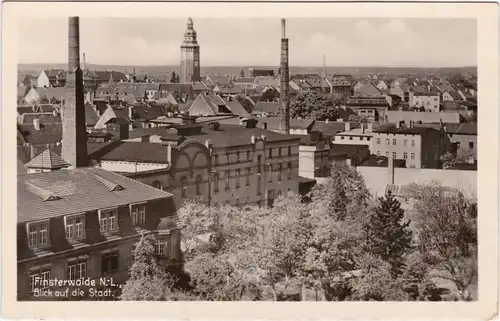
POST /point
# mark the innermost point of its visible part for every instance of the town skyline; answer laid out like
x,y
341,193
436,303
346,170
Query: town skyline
x,y
346,42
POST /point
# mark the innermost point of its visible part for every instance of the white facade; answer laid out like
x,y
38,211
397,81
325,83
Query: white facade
x,y
43,80
130,167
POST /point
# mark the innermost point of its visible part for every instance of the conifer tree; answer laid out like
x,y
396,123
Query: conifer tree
x,y
242,73
173,78
389,236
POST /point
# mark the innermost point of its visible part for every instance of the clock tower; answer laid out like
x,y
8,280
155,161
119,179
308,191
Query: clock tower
x,y
190,56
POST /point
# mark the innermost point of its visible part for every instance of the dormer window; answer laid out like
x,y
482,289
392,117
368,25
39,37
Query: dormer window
x,y
38,234
138,213
75,226
108,220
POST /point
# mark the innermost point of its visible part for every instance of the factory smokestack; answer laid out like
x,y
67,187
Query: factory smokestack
x,y
74,135
284,83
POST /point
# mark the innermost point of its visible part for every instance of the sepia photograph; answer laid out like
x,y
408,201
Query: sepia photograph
x,y
192,157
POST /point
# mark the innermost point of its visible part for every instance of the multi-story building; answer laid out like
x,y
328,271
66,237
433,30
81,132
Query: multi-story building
x,y
421,147
429,101
372,108
359,135
314,153
83,223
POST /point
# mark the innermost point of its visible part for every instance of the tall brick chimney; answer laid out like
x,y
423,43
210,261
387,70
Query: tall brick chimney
x,y
74,135
284,127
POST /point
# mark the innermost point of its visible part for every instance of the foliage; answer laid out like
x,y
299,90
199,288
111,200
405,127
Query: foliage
x,y
147,280
389,238
313,105
357,119
174,78
446,223
242,73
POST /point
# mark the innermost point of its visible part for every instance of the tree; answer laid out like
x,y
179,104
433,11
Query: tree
x,y
242,73
270,94
462,156
389,236
313,105
358,119
147,280
446,226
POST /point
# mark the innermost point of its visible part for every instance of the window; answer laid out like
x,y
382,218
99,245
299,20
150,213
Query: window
x,y
237,202
279,152
368,138
109,262
405,155
405,142
412,156
108,220
471,145
38,234
387,142
198,184
279,172
39,277
216,160
227,158
138,213
227,181
237,178
183,187
249,172
258,184
238,157
394,155
248,156
378,140
394,142
75,226
160,247
259,164
412,143
270,153
386,154
289,170
77,269
378,153
289,150
342,137
216,182
270,173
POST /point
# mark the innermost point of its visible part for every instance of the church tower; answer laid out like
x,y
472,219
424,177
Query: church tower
x,y
190,56
74,135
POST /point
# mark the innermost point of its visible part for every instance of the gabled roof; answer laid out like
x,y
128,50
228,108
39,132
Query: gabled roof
x,y
47,160
341,80
138,152
220,80
244,80
91,117
51,92
145,112
77,191
345,150
44,118
267,107
237,108
175,87
199,86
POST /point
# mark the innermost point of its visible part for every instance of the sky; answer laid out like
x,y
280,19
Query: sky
x,y
256,42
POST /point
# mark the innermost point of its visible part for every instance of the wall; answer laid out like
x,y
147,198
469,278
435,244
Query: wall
x,y
377,178
464,141
43,80
355,140
430,103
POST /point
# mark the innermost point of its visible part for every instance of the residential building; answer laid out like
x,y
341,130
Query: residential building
x,y
208,105
51,78
43,95
393,116
372,108
353,155
366,89
341,85
428,101
314,153
361,134
100,216
421,147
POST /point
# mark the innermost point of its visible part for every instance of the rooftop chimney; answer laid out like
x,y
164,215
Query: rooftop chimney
x,y
74,135
284,83
36,124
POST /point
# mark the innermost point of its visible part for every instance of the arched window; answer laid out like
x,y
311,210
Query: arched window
x,y
184,186
198,184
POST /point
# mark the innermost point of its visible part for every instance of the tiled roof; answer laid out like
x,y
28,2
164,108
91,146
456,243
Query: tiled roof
x,y
91,117
330,128
145,112
20,168
77,191
138,152
273,123
345,150
463,129
47,160
221,80
57,93
367,101
199,86
382,161
173,87
236,135
267,81
48,133
22,91
244,80
45,118
267,107
237,109
417,130
425,117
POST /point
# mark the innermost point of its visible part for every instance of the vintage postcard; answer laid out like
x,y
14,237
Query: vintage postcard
x,y
216,158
